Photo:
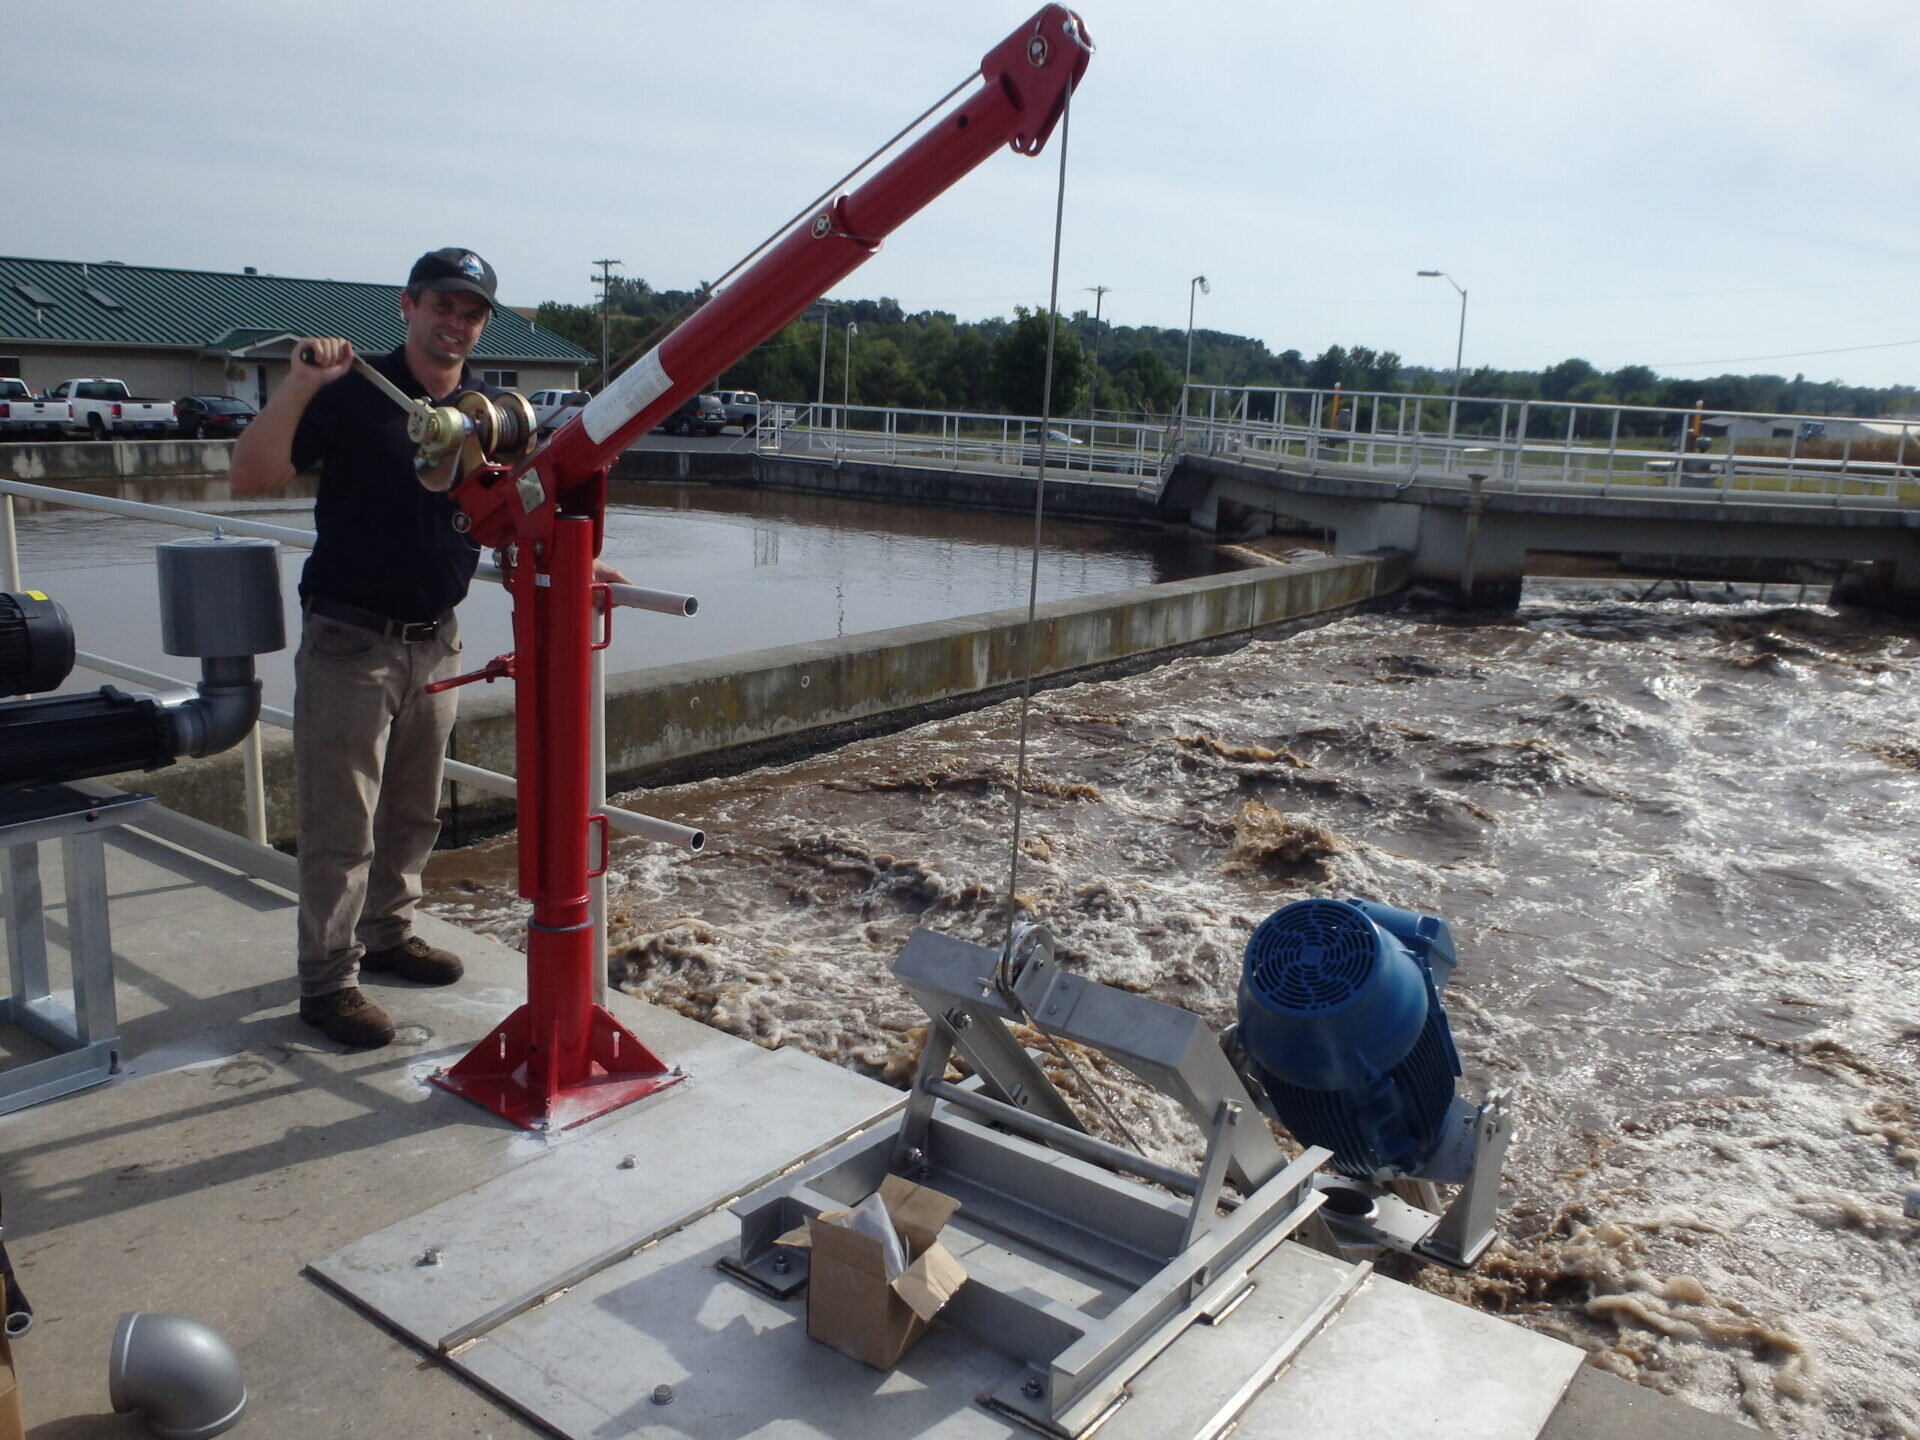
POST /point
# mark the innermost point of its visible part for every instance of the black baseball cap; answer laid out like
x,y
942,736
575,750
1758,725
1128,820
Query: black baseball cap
x,y
453,269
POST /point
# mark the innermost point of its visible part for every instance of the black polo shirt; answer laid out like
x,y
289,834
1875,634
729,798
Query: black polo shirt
x,y
387,543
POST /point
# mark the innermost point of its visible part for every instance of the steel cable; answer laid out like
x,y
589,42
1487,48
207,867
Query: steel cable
x,y
667,325
1003,970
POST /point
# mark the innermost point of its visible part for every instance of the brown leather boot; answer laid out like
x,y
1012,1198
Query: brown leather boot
x,y
348,1017
413,959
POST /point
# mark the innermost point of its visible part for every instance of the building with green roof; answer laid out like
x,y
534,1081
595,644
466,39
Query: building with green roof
x,y
169,333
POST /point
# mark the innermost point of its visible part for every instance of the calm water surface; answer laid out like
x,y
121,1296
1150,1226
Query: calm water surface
x,y
768,568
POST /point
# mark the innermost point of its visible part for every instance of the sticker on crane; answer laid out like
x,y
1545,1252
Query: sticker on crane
x,y
639,386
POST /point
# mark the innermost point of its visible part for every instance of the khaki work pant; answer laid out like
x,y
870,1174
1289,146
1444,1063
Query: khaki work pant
x,y
367,750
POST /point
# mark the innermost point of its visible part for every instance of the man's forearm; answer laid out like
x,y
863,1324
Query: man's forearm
x,y
263,455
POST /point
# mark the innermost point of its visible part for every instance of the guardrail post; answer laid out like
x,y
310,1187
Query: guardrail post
x,y
1520,444
9,547
1418,406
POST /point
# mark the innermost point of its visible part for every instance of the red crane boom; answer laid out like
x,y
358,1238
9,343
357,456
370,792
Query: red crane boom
x,y
560,1058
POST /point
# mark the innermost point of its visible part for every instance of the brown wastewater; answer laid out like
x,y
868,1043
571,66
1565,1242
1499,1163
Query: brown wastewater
x,y
1674,842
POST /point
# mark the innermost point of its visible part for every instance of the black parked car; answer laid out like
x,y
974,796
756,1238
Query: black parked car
x,y
697,412
219,417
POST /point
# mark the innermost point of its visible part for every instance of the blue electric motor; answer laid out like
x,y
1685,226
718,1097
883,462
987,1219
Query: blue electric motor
x,y
1340,1020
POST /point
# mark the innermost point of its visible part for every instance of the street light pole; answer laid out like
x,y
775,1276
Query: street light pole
x,y
1093,390
846,372
1460,341
605,282
1459,345
1198,285
820,397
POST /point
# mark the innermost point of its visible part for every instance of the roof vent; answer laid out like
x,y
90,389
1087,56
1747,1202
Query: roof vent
x,y
35,295
102,298
253,270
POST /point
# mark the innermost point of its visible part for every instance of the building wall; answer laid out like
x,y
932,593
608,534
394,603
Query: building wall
x,y
160,374
546,376
169,374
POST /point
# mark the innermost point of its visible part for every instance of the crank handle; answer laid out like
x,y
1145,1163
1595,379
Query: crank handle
x,y
379,382
500,667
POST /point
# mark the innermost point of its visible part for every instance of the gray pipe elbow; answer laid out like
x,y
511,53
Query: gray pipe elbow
x,y
183,1376
221,714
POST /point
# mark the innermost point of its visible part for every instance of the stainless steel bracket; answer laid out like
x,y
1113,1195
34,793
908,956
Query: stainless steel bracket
x,y
1085,1260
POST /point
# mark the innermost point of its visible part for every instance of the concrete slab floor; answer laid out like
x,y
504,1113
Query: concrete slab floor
x,y
239,1146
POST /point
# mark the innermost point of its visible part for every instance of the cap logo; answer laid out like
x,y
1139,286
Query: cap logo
x,y
470,266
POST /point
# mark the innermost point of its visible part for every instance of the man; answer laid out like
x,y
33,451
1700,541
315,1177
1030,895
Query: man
x,y
378,596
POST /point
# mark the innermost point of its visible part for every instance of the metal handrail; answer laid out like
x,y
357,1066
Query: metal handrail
x,y
1601,406
1299,424
1104,452
1391,441
629,822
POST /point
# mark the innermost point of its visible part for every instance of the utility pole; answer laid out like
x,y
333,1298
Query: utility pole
x,y
1093,391
605,281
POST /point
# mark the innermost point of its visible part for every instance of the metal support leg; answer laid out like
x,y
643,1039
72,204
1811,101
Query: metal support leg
x,y
26,924
1213,1172
90,939
1466,1230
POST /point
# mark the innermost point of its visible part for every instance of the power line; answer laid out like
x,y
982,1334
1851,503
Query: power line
x,y
1789,355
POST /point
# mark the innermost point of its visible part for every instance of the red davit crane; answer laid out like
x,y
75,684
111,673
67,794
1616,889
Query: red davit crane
x,y
560,1058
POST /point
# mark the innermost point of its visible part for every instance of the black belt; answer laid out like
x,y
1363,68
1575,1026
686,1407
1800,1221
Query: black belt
x,y
408,630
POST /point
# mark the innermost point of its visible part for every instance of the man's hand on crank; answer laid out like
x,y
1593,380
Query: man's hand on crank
x,y
605,574
332,358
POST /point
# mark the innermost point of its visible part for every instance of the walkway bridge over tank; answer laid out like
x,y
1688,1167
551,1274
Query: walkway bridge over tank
x,y
1467,487
1493,480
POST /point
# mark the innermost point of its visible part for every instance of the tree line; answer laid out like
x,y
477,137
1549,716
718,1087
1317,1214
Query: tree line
x,y
930,359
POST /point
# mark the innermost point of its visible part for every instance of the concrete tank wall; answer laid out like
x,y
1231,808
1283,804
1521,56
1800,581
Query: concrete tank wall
x,y
114,459
703,715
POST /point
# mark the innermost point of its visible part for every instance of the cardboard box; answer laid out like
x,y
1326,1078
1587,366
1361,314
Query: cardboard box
x,y
12,1426
851,1304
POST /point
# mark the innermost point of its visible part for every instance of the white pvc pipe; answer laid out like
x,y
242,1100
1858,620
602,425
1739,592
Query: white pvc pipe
x,y
254,772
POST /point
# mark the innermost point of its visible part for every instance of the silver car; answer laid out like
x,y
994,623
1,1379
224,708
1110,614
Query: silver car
x,y
742,407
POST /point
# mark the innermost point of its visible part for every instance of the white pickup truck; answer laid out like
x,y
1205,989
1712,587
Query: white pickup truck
x,y
106,407
23,413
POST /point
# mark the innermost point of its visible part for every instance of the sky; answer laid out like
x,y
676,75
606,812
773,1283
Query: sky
x,y
1702,186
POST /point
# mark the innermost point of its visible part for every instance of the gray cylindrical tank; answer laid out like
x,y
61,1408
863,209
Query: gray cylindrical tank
x,y
220,596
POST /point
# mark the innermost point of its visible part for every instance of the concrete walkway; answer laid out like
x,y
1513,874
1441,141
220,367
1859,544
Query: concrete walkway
x,y
239,1146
